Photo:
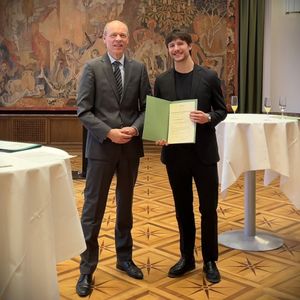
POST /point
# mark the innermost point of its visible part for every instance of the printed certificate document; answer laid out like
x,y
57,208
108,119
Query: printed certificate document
x,y
169,120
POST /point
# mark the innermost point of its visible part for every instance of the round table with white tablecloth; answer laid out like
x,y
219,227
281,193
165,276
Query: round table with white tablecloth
x,y
251,142
40,225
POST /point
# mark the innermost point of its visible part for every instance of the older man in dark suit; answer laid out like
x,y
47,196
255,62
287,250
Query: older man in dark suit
x,y
111,105
185,162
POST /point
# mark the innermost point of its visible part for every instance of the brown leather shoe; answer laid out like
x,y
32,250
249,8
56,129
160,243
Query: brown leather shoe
x,y
211,271
181,267
84,285
130,268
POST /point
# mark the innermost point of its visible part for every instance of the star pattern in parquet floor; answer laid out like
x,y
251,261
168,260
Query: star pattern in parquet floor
x,y
246,275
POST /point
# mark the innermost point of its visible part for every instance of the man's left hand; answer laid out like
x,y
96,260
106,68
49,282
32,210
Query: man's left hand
x,y
199,116
129,130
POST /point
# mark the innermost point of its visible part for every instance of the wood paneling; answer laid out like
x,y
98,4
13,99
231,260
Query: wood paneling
x,y
29,130
5,129
52,130
65,130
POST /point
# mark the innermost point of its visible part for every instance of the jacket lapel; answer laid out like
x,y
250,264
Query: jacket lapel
x,y
195,82
172,88
127,74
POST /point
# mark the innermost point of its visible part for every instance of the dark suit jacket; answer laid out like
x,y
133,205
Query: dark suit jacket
x,y
206,88
100,110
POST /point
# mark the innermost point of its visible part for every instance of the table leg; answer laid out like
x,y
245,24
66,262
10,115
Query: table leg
x,y
250,203
249,239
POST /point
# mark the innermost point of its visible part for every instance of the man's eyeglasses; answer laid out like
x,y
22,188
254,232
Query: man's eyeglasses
x,y
121,35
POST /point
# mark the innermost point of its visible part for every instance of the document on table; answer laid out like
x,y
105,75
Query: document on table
x,y
4,164
7,146
169,120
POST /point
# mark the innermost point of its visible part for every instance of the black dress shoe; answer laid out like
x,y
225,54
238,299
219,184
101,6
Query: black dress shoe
x,y
181,267
130,268
84,285
211,271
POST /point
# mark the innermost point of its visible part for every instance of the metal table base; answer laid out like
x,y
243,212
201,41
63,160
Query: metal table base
x,y
249,239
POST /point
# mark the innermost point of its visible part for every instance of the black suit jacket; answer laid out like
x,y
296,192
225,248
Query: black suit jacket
x,y
100,110
206,88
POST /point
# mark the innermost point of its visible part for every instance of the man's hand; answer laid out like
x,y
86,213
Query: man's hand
x,y
129,130
161,143
199,116
118,136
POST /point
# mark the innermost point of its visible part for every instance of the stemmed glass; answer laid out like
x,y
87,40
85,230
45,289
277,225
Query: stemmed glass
x,y
282,105
234,103
267,105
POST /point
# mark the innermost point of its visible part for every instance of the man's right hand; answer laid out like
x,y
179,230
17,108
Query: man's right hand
x,y
161,143
118,137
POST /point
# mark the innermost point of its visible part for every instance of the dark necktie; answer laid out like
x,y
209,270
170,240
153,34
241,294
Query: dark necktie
x,y
118,77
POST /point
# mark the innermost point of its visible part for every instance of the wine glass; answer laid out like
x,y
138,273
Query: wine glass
x,y
267,105
282,105
234,103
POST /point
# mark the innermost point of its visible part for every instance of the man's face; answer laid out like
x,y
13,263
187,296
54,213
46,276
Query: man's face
x,y
179,50
4,68
116,39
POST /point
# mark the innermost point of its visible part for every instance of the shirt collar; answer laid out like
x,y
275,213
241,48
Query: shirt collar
x,y
121,60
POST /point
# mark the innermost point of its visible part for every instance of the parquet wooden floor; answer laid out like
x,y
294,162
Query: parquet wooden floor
x,y
246,275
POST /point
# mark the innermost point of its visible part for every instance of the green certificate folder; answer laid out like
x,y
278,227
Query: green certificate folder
x,y
169,120
6,146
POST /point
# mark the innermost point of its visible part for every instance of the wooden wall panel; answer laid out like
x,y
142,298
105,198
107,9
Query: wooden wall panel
x,y
29,130
52,130
65,130
5,129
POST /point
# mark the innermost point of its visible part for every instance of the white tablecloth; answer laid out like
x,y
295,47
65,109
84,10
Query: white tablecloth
x,y
249,142
39,223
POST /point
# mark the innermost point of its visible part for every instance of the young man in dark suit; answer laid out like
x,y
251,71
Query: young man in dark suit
x,y
185,162
111,105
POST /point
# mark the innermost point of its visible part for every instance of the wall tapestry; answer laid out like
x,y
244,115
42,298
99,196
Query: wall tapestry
x,y
44,43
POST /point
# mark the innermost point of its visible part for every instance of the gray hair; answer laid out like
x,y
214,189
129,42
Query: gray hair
x,y
110,23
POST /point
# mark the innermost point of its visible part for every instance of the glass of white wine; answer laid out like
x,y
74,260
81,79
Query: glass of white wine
x,y
267,105
234,103
282,105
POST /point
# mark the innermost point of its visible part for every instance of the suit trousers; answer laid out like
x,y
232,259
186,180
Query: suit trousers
x,y
98,180
181,174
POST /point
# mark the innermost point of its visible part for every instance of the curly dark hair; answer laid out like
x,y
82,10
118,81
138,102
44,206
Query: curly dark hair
x,y
178,34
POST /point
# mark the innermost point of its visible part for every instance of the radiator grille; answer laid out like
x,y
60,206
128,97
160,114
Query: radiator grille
x,y
30,130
